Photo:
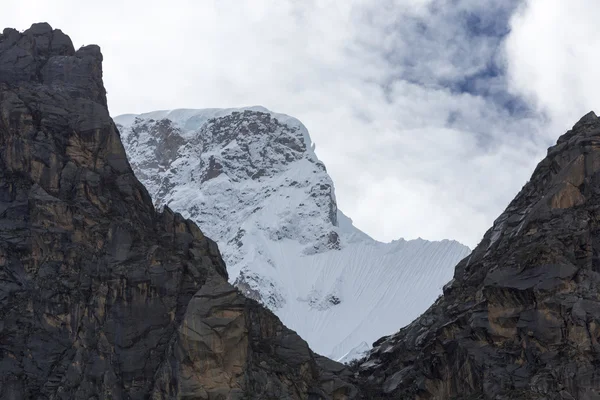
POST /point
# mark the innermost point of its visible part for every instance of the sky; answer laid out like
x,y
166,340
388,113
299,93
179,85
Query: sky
x,y
430,115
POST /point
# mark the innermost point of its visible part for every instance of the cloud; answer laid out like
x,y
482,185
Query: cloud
x,y
429,114
553,58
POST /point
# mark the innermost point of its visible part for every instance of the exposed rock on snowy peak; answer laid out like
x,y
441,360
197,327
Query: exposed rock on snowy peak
x,y
237,161
251,179
101,296
521,319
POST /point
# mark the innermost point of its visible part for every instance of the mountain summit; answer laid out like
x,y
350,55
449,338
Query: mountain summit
x,y
521,318
251,179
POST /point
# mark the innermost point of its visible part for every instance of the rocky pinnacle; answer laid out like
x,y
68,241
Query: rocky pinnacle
x,y
101,296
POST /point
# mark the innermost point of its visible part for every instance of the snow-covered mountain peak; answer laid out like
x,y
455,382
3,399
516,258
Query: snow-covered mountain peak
x,y
241,174
251,180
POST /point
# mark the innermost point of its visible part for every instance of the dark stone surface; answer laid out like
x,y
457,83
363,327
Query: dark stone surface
x,y
101,296
521,318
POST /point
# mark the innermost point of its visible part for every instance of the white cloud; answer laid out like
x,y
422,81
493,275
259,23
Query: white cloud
x,y
554,58
378,84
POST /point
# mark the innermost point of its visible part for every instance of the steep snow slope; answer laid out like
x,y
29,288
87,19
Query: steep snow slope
x,y
251,180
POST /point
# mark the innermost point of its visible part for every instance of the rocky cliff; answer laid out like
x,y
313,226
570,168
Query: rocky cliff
x,y
101,296
521,318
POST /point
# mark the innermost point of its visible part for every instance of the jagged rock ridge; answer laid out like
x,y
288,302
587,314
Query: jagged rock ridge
x,y
101,296
251,179
521,318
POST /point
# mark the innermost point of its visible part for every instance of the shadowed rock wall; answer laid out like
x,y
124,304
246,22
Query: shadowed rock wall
x,y
101,296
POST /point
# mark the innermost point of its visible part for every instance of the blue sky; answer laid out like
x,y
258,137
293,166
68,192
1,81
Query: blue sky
x,y
429,114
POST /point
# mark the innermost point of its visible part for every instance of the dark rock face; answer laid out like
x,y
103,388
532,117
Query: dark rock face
x,y
521,318
46,56
101,296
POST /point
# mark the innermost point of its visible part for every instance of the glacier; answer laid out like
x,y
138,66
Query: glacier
x,y
251,180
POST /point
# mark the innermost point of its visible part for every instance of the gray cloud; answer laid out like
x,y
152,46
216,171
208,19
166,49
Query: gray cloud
x,y
429,114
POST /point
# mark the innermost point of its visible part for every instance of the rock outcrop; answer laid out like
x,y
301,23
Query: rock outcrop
x,y
521,318
102,296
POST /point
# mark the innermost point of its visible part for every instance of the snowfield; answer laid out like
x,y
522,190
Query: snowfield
x,y
251,180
